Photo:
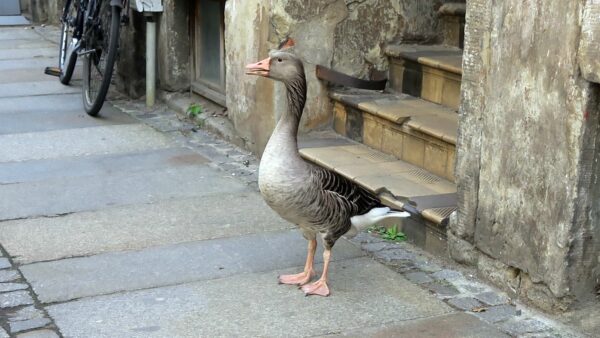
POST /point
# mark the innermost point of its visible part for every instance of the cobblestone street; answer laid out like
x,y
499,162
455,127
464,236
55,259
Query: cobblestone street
x,y
139,224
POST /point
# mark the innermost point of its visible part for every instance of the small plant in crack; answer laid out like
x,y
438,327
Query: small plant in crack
x,y
390,234
194,110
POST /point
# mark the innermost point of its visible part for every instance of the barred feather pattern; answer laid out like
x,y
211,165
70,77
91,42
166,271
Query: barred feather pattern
x,y
314,198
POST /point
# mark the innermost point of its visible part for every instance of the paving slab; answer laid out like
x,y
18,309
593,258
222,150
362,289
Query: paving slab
x,y
29,324
26,313
14,299
8,275
227,307
13,44
38,334
40,120
43,103
100,140
456,325
138,226
35,88
40,64
18,33
5,287
28,53
26,75
13,20
73,194
68,279
98,165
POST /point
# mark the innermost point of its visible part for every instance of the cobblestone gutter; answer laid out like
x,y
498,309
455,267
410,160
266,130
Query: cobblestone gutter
x,y
21,314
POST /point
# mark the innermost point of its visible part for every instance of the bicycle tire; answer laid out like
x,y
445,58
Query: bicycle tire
x,y
66,63
93,103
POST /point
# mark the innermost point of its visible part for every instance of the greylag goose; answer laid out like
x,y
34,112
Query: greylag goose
x,y
319,201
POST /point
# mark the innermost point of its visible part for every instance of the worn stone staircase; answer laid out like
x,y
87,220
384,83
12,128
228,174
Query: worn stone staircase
x,y
403,139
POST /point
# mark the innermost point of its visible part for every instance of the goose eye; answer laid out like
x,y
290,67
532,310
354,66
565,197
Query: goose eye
x,y
279,60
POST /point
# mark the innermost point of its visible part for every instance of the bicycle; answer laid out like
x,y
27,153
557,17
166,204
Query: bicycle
x,y
90,29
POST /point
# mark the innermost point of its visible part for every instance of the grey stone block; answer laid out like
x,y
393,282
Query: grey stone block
x,y
91,141
16,298
8,275
25,325
26,313
464,303
364,294
395,254
38,334
5,287
378,246
173,264
3,333
40,120
72,194
456,325
498,313
418,277
4,263
427,266
447,275
442,290
35,89
139,226
51,103
519,326
492,298
98,165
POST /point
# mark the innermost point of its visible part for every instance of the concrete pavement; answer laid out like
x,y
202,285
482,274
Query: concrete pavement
x,y
110,227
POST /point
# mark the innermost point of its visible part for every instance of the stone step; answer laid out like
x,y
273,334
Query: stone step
x,y
410,129
433,197
452,19
430,72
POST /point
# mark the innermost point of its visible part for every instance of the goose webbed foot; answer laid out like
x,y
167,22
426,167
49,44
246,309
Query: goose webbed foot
x,y
297,279
318,288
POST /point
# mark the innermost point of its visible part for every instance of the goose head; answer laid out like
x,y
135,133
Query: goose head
x,y
280,65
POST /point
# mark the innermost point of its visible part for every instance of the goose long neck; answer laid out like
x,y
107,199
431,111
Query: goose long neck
x,y
287,127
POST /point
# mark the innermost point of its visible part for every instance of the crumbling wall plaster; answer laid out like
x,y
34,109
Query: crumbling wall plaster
x,y
348,36
523,135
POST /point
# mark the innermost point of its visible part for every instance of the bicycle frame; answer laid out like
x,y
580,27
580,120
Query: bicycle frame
x,y
83,22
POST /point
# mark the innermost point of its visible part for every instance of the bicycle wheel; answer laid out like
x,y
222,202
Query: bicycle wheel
x,y
102,41
67,56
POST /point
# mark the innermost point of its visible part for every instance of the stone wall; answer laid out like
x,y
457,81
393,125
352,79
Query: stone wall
x,y
172,54
348,36
44,11
528,216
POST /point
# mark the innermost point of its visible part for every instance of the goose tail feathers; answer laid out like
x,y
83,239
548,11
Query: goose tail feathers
x,y
361,222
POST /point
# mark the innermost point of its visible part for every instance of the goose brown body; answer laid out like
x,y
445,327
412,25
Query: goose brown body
x,y
314,198
317,200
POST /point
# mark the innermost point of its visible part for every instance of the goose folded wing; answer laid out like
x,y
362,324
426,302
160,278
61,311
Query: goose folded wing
x,y
359,197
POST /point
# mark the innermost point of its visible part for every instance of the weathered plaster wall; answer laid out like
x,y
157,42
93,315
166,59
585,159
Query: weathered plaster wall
x,y
173,45
249,99
523,160
348,36
172,50
45,11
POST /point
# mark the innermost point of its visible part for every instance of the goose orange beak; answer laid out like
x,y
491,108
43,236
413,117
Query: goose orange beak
x,y
260,68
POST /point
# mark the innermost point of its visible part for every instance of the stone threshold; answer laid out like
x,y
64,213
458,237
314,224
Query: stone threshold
x,y
413,130
401,109
444,58
432,196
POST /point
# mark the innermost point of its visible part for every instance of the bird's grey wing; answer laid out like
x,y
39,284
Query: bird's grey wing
x,y
359,198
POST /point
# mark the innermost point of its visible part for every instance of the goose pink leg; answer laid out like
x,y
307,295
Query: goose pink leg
x,y
320,287
305,276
